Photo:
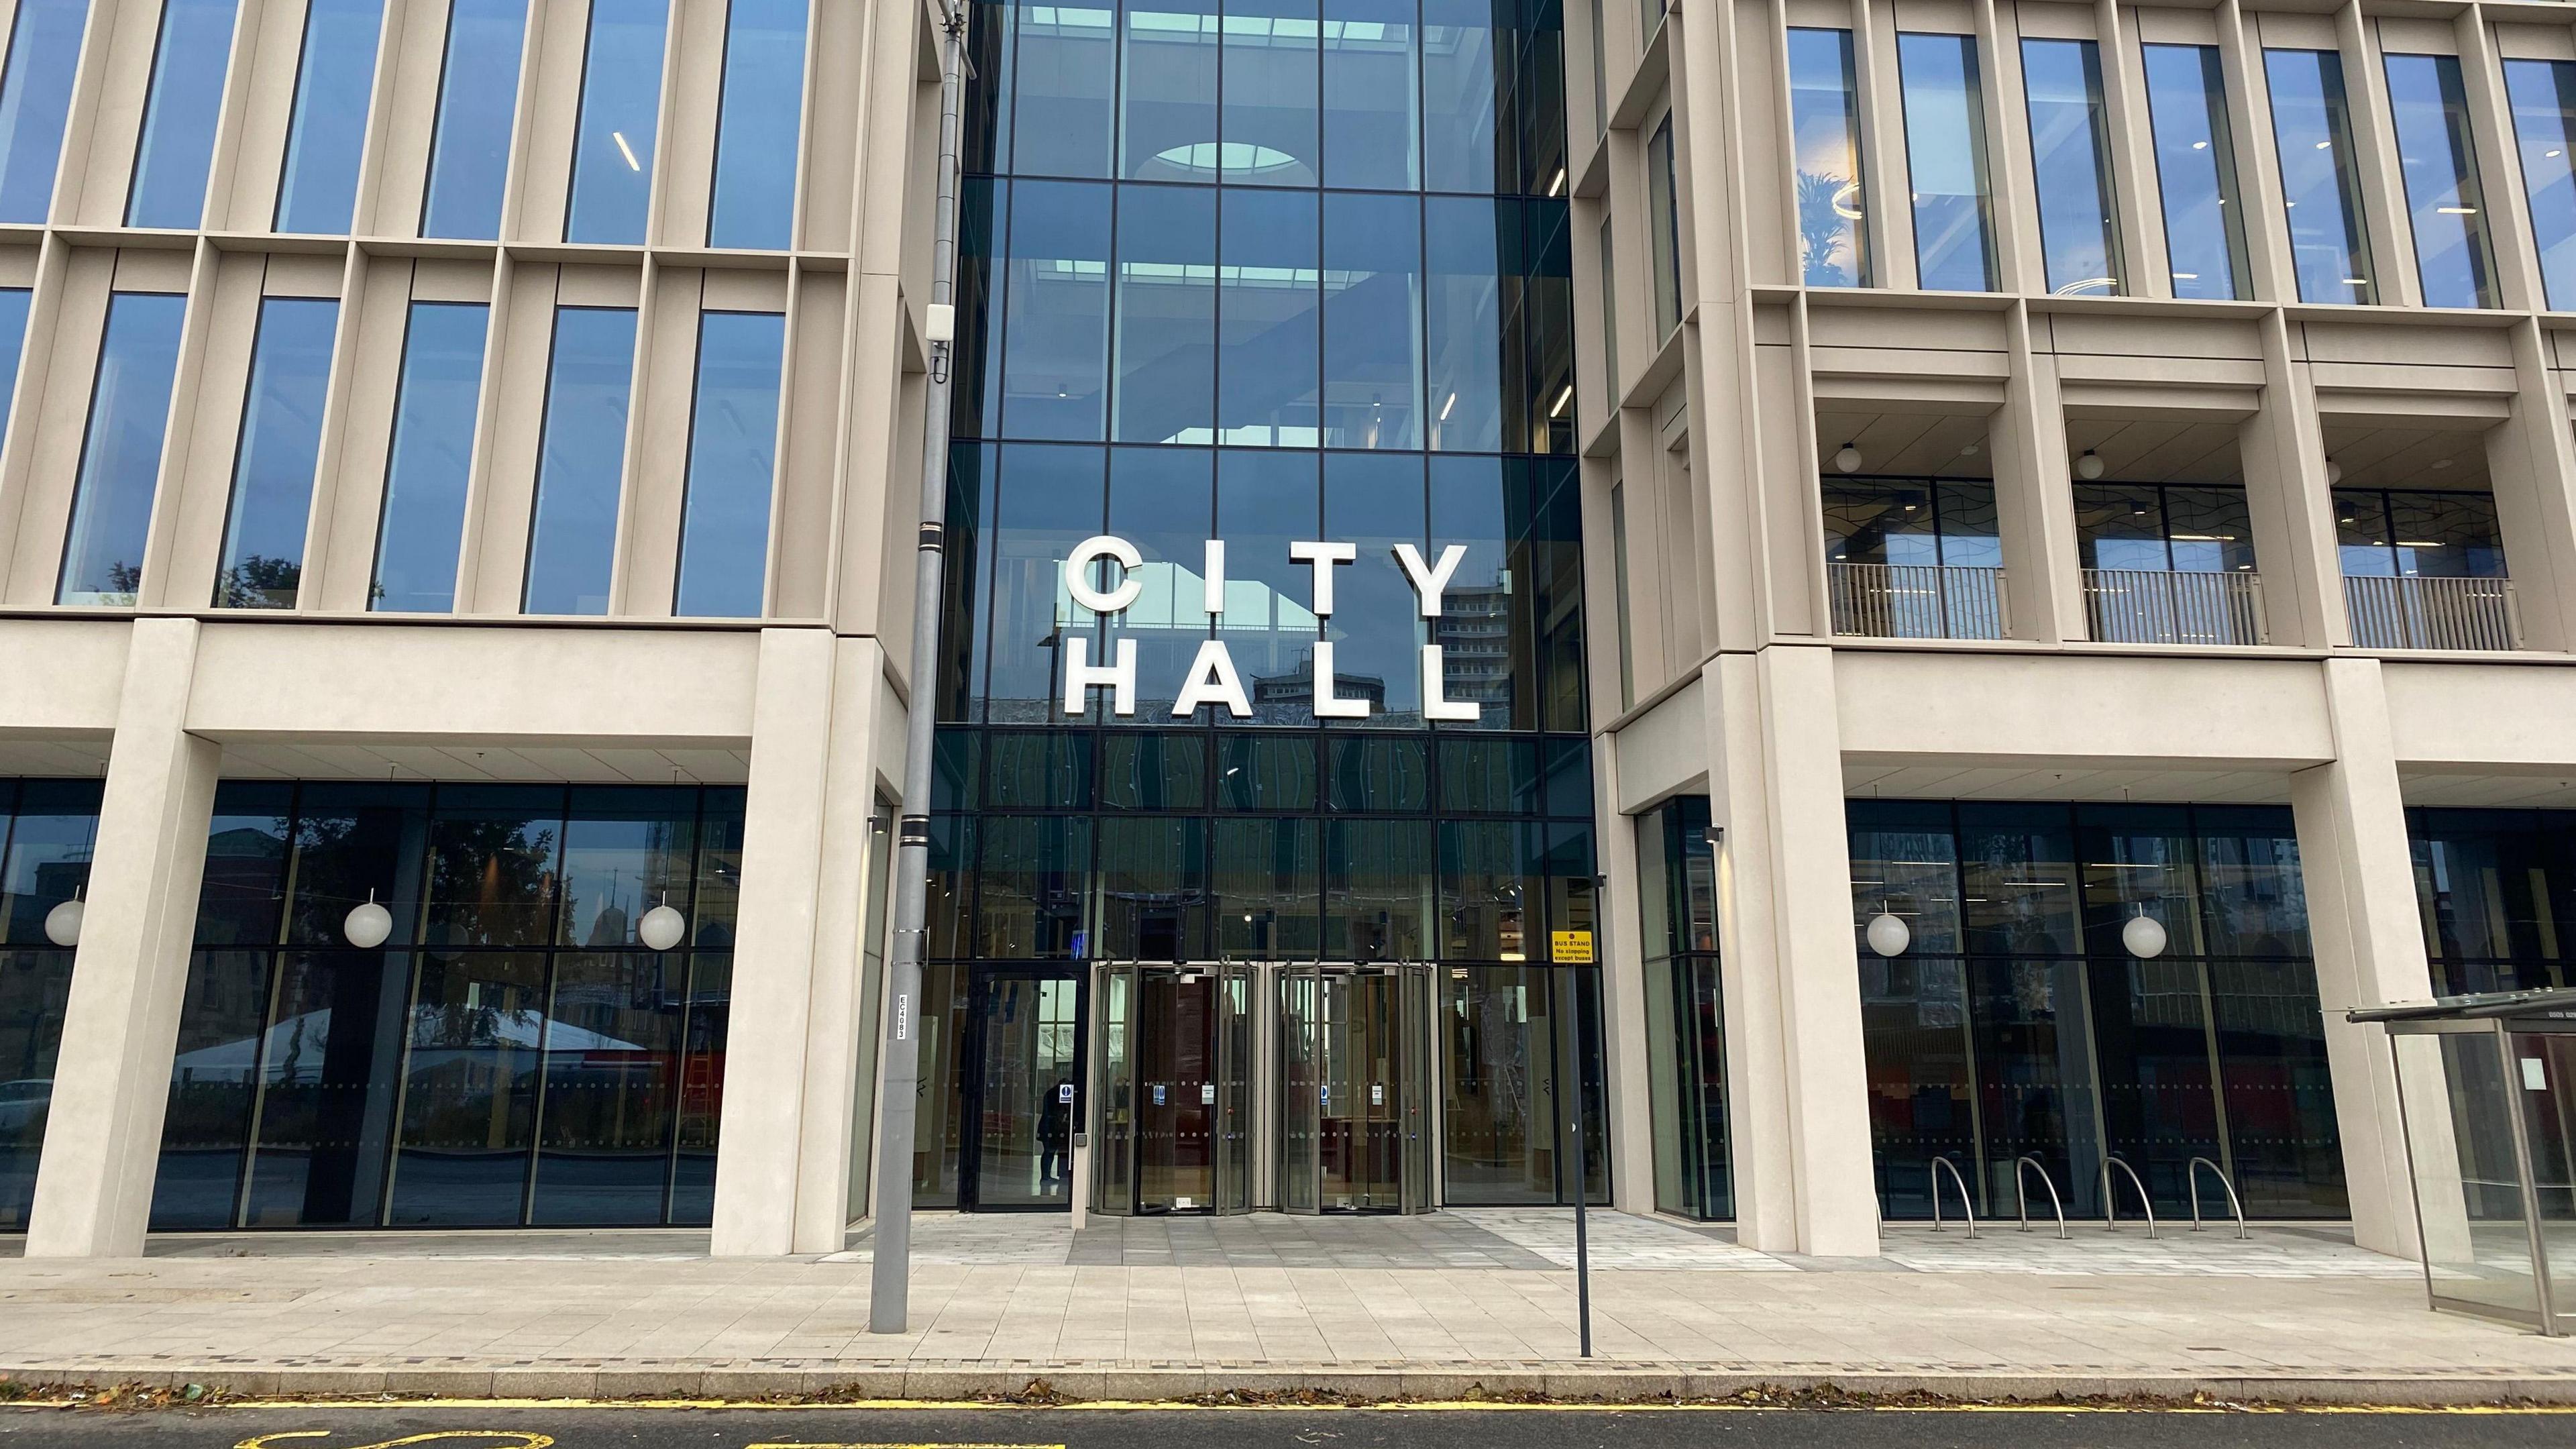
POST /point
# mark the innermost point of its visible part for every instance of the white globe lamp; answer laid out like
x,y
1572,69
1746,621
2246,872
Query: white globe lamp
x,y
662,927
2089,466
63,922
2144,936
1847,458
1887,935
367,924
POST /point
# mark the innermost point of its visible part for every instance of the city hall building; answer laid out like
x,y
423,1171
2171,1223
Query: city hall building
x,y
1770,611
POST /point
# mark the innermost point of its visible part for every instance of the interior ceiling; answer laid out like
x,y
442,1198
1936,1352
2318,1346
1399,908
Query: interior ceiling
x,y
2372,456
2158,450
275,760
1921,445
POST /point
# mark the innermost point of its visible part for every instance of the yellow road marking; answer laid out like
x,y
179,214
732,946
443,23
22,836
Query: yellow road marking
x,y
513,1438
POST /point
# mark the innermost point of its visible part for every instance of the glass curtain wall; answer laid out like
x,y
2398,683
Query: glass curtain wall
x,y
2016,1024
46,836
2196,171
2493,887
1824,122
511,1055
1685,1010
2543,96
2070,152
1945,159
2440,164
2312,128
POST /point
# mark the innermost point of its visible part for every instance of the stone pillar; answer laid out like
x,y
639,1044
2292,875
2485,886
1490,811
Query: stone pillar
x,y
775,962
2369,942
1798,1114
130,974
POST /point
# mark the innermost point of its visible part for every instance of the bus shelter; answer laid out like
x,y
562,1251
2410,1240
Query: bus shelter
x,y
2484,1087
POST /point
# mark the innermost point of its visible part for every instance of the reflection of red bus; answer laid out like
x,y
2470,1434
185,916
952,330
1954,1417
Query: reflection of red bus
x,y
702,1086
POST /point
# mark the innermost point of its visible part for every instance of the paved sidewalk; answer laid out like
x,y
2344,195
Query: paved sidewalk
x,y
1420,1306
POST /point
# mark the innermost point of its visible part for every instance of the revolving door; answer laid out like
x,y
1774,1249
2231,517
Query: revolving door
x,y
1354,1052
1174,1044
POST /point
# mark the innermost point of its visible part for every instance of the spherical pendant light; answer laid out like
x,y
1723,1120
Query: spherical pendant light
x,y
2144,935
2089,466
662,927
63,922
367,925
1888,935
1847,458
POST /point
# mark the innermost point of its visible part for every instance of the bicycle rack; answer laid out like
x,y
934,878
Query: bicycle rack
x,y
2021,1195
2220,1173
1967,1207
2111,1206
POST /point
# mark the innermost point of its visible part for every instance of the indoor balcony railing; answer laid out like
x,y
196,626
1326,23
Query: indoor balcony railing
x,y
2160,606
2415,611
1917,601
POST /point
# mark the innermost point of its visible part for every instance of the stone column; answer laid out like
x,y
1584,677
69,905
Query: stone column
x,y
130,974
2359,874
1798,1114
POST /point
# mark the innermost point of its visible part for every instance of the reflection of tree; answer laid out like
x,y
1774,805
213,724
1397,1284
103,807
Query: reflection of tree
x,y
492,880
259,582
1824,233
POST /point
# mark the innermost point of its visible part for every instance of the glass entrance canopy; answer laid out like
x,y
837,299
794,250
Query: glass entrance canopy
x,y
2486,1087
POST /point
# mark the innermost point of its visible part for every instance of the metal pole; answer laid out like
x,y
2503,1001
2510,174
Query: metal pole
x,y
891,1282
1582,1186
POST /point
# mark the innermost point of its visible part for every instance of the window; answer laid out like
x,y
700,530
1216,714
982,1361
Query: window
x,y
478,94
47,831
1372,95
1685,1017
14,302
431,459
1055,360
1600,74
35,103
2143,527
1269,311
2543,95
2196,171
1663,224
1062,79
1945,160
1910,521
1609,316
1372,305
621,108
129,414
1824,121
733,464
581,462
333,84
764,94
2440,164
2312,129
281,441
1620,579
1166,308
2070,155
180,115
2418,533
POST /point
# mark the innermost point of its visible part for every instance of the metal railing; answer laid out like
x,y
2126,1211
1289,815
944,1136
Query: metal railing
x,y
2424,612
2155,606
2021,1195
2111,1203
2220,1173
1967,1207
1917,601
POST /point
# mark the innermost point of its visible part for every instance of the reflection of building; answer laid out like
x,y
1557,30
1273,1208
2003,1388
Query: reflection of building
x,y
1474,632
1296,689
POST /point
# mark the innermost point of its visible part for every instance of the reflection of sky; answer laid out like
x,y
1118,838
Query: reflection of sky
x,y
1174,598
297,1045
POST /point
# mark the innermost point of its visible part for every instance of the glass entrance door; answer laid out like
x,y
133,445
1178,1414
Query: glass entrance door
x,y
1026,1080
1175,1051
1354,1062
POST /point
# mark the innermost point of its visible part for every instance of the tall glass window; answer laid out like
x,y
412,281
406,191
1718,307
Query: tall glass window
x,y
756,131
36,102
2196,171
2440,163
281,441
478,97
2418,532
2543,94
2491,887
1685,1010
581,461
14,302
318,190
180,114
1945,159
621,112
733,465
46,836
2312,127
1664,229
1609,314
1824,120
2149,528
120,467
423,523
2070,154
513,1054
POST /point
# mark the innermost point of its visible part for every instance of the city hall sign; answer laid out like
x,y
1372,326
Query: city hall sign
x,y
1212,678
